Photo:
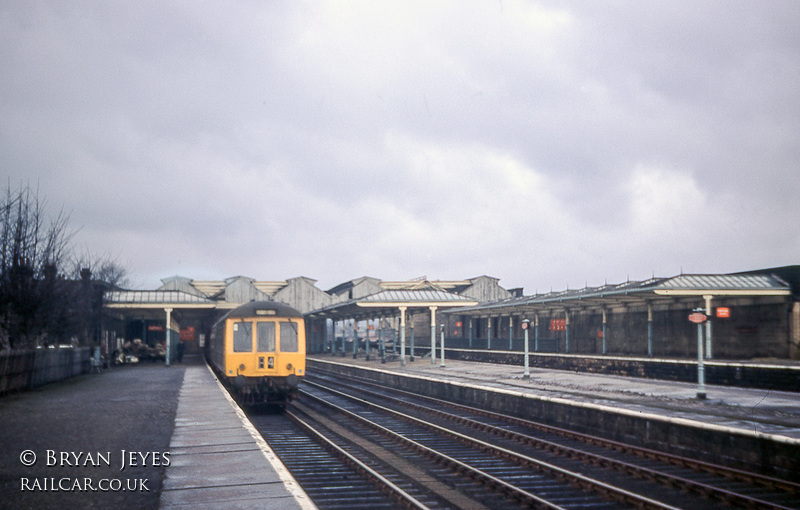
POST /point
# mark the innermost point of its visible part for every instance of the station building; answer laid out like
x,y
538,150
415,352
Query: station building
x,y
186,309
748,315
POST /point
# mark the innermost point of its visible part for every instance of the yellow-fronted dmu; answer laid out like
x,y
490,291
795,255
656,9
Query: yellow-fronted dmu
x,y
259,350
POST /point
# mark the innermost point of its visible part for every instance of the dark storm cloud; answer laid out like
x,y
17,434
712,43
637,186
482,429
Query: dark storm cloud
x,y
548,144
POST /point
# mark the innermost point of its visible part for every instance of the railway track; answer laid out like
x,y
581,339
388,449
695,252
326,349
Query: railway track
x,y
426,453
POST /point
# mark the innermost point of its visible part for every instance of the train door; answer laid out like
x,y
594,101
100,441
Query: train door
x,y
265,347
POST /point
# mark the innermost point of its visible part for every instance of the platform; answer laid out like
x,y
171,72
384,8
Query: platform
x,y
142,436
218,459
765,414
64,445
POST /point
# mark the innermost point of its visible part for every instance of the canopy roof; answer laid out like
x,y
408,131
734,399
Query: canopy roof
x,y
388,303
647,291
156,299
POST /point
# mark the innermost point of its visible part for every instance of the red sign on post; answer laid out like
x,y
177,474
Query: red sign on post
x,y
558,324
697,317
723,312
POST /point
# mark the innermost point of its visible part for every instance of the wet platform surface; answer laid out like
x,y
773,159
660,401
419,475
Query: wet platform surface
x,y
57,437
218,459
141,436
761,413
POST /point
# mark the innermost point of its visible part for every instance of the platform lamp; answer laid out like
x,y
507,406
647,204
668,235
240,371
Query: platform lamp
x,y
442,356
699,317
527,373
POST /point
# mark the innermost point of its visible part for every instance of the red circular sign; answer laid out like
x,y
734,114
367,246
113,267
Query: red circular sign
x,y
697,317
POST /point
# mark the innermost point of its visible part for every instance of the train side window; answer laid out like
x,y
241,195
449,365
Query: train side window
x,y
265,337
242,337
289,337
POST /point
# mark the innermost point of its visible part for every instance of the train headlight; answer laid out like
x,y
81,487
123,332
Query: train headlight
x,y
241,367
289,366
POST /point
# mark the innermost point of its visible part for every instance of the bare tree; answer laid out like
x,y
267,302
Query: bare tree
x,y
31,252
104,268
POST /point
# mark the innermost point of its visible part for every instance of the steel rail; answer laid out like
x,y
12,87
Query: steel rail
x,y
384,484
454,464
641,472
576,479
647,453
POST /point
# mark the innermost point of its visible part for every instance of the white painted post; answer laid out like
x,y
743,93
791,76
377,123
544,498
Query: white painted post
x,y
433,334
650,330
489,333
708,325
411,318
403,336
442,356
367,355
527,373
166,332
510,332
604,331
701,377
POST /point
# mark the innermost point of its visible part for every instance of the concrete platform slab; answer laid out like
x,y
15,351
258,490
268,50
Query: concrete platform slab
x,y
217,457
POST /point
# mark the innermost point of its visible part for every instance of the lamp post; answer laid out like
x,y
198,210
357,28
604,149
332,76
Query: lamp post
x,y
442,356
402,336
527,373
699,317
433,334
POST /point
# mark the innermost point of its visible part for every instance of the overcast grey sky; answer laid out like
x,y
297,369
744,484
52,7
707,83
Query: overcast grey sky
x,y
548,144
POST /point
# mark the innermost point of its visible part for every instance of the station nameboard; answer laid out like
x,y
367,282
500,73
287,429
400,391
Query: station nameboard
x,y
723,312
558,324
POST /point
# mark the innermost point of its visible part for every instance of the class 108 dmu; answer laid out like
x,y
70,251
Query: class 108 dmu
x,y
259,351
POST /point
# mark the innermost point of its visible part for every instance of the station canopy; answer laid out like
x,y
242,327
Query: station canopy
x,y
389,303
688,288
152,303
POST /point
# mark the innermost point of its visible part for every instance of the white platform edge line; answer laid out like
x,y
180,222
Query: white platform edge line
x,y
286,477
667,361
627,412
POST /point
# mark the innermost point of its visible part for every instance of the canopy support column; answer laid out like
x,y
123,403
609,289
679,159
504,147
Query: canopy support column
x,y
510,332
411,318
433,334
605,321
707,298
403,336
166,333
650,330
